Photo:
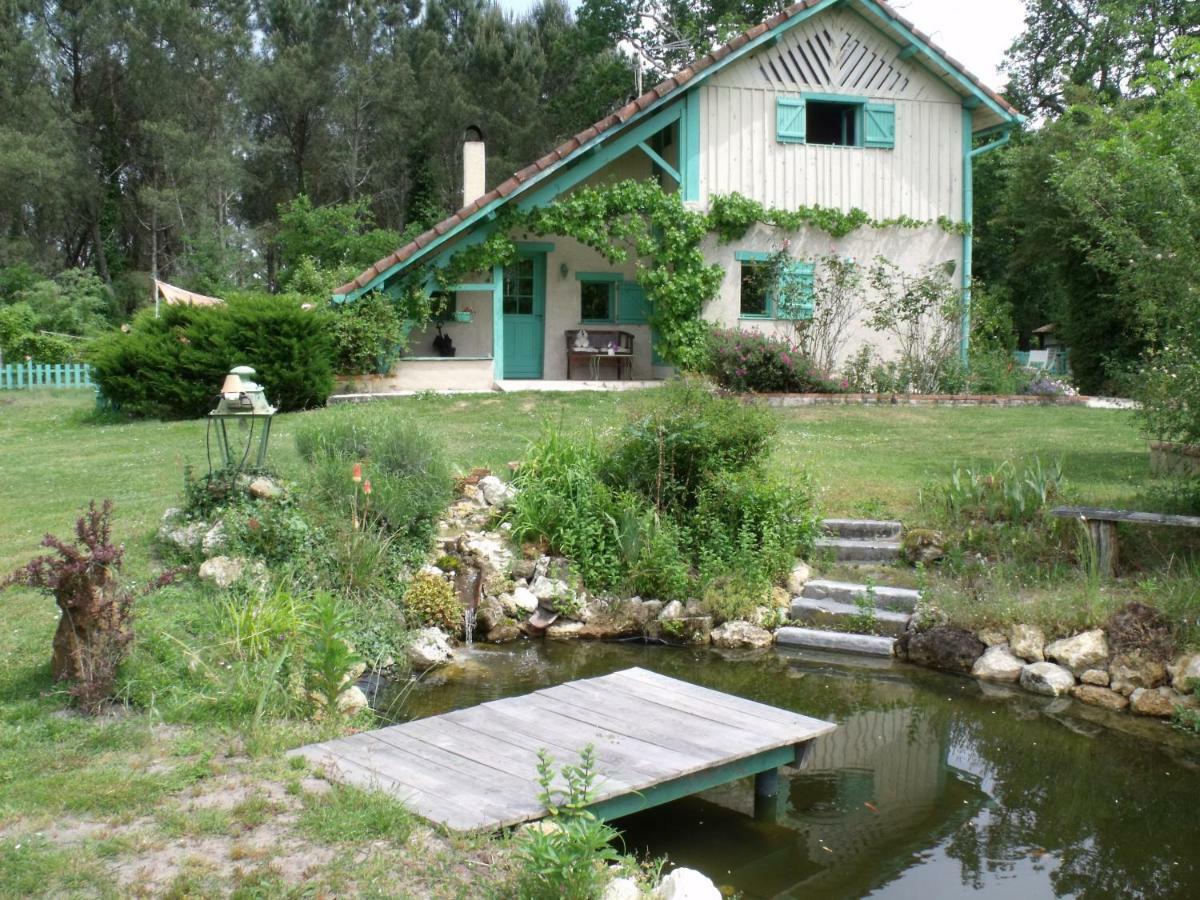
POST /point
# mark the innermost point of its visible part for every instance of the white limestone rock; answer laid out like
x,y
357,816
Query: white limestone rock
x,y
998,664
430,647
1184,671
1081,652
622,889
686,884
673,610
741,635
1095,677
495,491
800,575
1048,679
1027,642
222,570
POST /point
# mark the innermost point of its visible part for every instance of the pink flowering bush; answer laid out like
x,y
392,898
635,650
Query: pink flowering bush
x,y
757,363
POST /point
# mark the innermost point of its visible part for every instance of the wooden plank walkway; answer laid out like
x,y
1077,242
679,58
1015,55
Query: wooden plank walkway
x,y
656,739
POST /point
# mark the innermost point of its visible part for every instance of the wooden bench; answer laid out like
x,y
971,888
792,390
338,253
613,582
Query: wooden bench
x,y
621,359
1102,526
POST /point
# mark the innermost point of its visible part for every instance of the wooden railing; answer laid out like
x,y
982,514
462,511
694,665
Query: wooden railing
x,y
30,375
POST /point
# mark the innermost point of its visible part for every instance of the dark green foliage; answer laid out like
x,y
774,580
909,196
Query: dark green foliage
x,y
752,524
328,657
681,436
368,335
174,365
569,861
749,361
561,497
676,498
410,478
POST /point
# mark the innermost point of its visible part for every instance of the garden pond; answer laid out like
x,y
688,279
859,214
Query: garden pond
x,y
932,786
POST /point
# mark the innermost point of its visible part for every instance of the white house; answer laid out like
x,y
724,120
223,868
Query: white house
x,y
831,103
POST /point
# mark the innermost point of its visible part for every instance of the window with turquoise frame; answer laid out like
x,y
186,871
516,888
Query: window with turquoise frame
x,y
835,120
597,297
771,291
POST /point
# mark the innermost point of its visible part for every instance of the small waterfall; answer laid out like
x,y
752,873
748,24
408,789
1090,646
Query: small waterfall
x,y
469,625
468,583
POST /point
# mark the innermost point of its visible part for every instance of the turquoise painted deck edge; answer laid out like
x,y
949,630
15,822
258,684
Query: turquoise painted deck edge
x,y
678,788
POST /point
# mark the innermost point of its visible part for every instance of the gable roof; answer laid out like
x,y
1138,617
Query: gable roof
x,y
666,91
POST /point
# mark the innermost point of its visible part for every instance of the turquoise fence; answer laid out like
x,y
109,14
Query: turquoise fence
x,y
31,375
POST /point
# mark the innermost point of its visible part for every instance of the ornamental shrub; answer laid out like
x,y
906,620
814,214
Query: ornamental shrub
x,y
430,600
368,336
748,361
680,435
173,365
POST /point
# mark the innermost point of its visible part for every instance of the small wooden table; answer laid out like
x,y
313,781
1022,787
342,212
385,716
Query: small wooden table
x,y
1102,527
597,355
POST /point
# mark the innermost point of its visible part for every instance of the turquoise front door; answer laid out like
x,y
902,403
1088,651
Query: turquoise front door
x,y
524,316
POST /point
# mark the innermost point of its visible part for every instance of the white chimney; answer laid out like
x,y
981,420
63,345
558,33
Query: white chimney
x,y
474,166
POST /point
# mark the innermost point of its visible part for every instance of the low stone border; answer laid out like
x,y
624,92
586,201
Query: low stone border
x,y
790,400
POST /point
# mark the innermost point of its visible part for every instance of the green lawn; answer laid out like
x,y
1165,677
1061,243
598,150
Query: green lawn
x,y
210,807
56,455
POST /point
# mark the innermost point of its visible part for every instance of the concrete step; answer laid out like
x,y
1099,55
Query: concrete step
x,y
899,599
832,614
849,550
835,641
863,529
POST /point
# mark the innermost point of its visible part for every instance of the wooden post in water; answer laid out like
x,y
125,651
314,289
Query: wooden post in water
x,y
766,795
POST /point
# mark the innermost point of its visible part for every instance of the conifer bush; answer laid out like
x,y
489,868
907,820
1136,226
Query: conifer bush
x,y
172,366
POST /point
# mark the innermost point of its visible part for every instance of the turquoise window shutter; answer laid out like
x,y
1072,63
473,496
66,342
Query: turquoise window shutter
x,y
790,120
632,306
879,121
795,292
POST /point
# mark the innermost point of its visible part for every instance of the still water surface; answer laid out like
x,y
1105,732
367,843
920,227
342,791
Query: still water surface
x,y
933,786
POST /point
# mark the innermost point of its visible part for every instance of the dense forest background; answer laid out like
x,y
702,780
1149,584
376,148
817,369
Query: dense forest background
x,y
219,143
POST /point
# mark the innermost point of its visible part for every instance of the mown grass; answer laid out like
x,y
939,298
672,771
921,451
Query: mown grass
x,y
55,766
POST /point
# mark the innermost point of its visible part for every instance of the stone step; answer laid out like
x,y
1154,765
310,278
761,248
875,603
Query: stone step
x,y
849,550
831,613
835,641
900,599
863,529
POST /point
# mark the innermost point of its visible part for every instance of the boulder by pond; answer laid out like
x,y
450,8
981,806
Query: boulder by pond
x,y
738,635
1047,679
430,647
1081,652
1094,695
686,884
1027,642
1130,671
998,664
943,647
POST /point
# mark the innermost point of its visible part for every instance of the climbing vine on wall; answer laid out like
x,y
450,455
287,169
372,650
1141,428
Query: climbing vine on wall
x,y
639,217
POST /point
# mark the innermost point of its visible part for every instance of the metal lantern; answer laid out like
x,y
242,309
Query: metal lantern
x,y
244,402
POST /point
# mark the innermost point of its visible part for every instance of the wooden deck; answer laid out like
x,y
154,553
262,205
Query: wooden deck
x,y
656,739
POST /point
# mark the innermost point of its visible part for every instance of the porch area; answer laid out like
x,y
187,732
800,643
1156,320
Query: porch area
x,y
559,317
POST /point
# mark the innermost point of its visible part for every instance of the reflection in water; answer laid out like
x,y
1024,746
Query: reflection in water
x,y
931,786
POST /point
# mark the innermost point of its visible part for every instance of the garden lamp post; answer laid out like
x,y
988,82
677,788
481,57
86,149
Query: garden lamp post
x,y
244,402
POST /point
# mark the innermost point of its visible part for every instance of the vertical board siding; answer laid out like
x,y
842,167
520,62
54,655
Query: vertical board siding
x,y
921,177
834,53
16,376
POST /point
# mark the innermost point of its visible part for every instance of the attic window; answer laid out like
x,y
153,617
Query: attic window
x,y
833,124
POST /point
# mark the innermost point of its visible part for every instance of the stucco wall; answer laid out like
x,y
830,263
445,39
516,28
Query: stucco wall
x,y
472,338
911,249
